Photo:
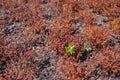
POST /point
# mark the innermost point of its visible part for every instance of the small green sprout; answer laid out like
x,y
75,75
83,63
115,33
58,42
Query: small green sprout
x,y
86,48
70,49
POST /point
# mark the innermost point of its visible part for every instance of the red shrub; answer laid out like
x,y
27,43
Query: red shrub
x,y
2,47
108,60
115,27
97,36
106,7
62,35
85,16
19,64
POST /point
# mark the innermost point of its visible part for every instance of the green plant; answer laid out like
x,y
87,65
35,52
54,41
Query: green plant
x,y
70,49
86,48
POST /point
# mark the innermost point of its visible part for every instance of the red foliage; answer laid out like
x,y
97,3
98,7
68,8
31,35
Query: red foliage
x,y
21,68
87,19
97,36
19,62
107,7
108,60
62,35
105,62
18,57
115,27
2,47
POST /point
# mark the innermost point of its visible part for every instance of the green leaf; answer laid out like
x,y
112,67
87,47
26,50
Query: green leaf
x,y
70,49
86,48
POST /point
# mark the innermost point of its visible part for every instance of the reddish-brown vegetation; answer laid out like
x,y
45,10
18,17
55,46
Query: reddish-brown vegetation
x,y
115,27
54,24
63,34
109,8
97,36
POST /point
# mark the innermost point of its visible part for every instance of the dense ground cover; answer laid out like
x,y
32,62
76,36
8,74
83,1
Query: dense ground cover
x,y
36,35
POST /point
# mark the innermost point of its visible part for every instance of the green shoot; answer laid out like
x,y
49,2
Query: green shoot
x,y
86,48
70,49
